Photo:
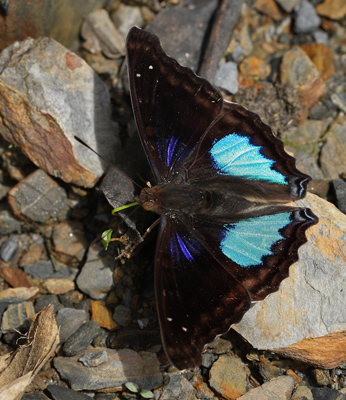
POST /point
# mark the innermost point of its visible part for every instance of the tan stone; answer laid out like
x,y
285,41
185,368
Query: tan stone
x,y
321,55
103,315
333,9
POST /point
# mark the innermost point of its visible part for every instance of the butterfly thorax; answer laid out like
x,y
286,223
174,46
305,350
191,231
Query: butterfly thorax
x,y
169,198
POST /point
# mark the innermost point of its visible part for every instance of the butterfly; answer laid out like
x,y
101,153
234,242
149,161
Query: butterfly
x,y
226,236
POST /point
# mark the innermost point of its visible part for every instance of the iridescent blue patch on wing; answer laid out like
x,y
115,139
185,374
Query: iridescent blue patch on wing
x,y
170,150
249,240
235,155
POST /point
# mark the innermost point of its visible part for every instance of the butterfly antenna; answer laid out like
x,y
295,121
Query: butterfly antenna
x,y
105,160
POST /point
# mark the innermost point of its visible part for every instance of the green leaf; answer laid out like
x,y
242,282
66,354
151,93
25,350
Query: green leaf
x,y
106,238
132,387
146,394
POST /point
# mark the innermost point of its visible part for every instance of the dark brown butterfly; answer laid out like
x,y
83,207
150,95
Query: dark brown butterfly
x,y
226,237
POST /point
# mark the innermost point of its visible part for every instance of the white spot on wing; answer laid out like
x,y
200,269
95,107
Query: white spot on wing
x,y
138,75
184,329
169,319
151,67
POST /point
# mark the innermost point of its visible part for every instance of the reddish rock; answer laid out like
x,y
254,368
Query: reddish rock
x,y
102,315
321,55
69,241
324,352
202,389
51,95
32,255
255,67
15,277
333,9
299,72
228,377
268,7
58,285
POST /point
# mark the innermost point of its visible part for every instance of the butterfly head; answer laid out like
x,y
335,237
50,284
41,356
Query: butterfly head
x,y
148,199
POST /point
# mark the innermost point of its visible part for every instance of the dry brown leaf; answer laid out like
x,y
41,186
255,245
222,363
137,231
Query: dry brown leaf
x,y
17,369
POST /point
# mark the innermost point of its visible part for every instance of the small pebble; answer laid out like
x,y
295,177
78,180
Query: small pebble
x,y
9,248
227,77
307,20
81,338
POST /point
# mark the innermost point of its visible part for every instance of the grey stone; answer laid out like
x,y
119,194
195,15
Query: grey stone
x,y
41,269
8,224
288,5
17,295
45,300
38,198
9,248
96,278
81,338
339,100
122,366
307,20
340,193
177,387
121,315
92,359
321,37
279,389
125,17
237,52
17,317
63,393
227,77
326,393
69,320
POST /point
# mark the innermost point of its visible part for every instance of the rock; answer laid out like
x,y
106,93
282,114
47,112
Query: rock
x,y
321,37
340,193
17,295
102,315
8,224
306,18
228,377
122,366
93,359
322,57
41,269
268,7
81,338
69,320
188,23
52,95
9,248
63,393
277,389
304,320
58,285
37,19
17,317
202,389
288,5
333,9
95,278
32,255
38,198
327,394
177,387
100,34
298,71
45,300
70,243
125,17
227,77
122,315
15,277
254,67
333,153
302,392
339,100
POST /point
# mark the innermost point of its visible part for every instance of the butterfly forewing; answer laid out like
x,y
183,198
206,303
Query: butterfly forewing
x,y
170,126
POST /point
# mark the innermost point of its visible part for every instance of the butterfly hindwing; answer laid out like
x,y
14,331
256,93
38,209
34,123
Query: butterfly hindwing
x,y
197,298
170,125
259,249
